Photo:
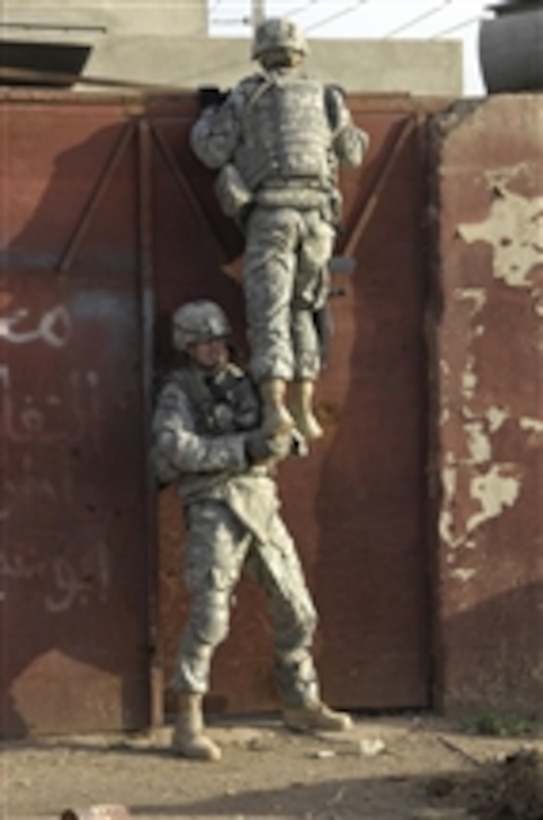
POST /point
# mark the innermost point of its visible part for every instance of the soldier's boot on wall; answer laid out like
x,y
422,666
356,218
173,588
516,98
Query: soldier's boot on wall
x,y
301,405
189,739
276,417
316,717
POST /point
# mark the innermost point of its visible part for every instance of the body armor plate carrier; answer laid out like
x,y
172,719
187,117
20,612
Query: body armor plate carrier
x,y
287,135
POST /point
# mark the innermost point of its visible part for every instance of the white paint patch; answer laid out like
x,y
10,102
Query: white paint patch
x,y
478,443
446,521
534,428
514,228
444,367
463,575
444,416
477,297
531,425
498,178
469,378
498,489
496,417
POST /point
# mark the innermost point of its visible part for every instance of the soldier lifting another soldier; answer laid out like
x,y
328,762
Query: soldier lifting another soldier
x,y
277,141
209,442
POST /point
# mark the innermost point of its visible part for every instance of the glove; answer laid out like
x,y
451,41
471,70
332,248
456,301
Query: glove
x,y
261,446
210,96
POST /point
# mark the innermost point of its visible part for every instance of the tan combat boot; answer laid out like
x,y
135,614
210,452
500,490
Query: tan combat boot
x,y
316,717
276,417
189,739
301,404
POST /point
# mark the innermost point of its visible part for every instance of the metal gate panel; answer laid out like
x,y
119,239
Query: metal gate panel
x,y
74,528
356,505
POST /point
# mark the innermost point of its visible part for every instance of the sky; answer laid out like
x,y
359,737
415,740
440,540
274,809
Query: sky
x,y
413,19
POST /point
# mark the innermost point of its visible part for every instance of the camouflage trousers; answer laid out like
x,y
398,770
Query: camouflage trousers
x,y
218,549
285,279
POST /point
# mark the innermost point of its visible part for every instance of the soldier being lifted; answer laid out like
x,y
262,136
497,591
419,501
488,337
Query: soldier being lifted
x,y
207,440
278,139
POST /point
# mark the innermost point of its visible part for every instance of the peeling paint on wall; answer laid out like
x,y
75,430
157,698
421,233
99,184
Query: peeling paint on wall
x,y
477,296
490,345
534,428
495,491
446,519
531,425
469,378
478,442
462,574
514,228
496,417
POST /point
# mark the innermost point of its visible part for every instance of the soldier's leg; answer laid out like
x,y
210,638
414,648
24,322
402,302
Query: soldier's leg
x,y
268,277
293,618
214,555
308,305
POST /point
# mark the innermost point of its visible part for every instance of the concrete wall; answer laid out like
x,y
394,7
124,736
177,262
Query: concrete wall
x,y
167,44
119,17
358,65
488,306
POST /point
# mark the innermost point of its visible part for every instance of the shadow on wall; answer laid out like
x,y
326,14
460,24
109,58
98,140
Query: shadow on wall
x,y
492,656
73,537
86,219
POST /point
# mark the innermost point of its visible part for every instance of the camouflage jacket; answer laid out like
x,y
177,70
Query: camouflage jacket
x,y
199,431
246,132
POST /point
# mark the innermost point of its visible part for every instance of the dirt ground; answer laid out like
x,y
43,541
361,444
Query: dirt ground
x,y
386,768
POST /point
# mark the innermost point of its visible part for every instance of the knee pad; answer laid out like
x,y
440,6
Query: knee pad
x,y
211,617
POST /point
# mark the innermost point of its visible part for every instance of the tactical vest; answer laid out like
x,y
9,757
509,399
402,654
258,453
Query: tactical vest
x,y
222,403
286,134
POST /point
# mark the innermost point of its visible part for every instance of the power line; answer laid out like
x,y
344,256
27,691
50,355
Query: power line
x,y
418,19
301,9
336,16
458,27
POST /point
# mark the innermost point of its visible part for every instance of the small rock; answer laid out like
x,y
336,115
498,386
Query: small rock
x,y
103,812
371,747
323,754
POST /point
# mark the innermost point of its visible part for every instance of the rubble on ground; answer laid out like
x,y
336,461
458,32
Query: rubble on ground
x,y
508,789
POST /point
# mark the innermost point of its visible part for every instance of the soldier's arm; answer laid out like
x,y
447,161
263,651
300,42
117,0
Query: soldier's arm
x,y
178,448
350,143
215,135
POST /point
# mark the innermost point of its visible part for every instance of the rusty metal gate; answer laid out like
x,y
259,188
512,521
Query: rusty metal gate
x,y
104,210
74,511
356,506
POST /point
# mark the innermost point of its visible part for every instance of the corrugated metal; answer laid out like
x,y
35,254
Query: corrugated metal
x,y
74,532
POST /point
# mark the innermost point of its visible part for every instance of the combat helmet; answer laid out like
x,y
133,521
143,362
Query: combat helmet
x,y
278,33
198,321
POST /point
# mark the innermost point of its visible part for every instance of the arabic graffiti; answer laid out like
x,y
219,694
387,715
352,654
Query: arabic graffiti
x,y
36,484
44,418
54,328
68,582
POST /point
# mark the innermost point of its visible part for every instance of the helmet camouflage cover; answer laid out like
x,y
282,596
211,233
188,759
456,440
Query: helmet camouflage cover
x,y
198,322
278,33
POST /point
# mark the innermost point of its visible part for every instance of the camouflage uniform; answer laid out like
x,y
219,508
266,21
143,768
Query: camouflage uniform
x,y
278,140
200,429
